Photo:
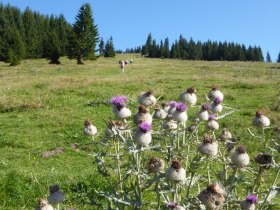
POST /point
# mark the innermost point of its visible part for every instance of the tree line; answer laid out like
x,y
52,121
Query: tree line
x,y
190,50
29,34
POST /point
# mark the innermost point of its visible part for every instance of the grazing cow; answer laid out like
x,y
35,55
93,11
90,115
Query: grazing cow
x,y
131,60
122,65
126,62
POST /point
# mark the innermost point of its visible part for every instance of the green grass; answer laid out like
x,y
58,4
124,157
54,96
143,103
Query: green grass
x,y
43,106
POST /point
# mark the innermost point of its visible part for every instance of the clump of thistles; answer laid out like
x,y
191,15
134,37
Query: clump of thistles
x,y
203,113
212,124
216,105
260,120
189,96
215,93
213,196
249,203
147,99
180,114
119,107
89,129
209,147
143,136
143,115
159,113
172,105
175,172
264,160
239,157
155,165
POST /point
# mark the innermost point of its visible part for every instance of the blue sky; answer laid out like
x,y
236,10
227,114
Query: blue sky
x,y
249,22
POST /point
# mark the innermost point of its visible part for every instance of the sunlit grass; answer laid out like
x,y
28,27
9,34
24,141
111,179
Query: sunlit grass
x,y
43,106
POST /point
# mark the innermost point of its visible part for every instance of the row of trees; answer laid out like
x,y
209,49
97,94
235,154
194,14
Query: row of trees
x,y
31,35
191,50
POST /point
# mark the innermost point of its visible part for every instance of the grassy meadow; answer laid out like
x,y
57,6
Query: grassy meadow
x,y
44,106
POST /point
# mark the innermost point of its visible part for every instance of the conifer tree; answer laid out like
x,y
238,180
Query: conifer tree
x,y
268,58
84,36
278,58
16,48
101,47
109,48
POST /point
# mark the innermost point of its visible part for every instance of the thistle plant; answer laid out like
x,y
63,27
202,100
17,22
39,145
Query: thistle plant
x,y
137,159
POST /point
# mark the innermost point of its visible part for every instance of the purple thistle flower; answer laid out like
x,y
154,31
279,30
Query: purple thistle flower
x,y
172,103
181,107
118,100
211,117
252,198
217,100
144,126
171,205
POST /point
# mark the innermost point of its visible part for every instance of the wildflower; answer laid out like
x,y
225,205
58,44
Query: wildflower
x,y
155,165
113,127
169,124
147,99
189,96
175,172
143,135
159,113
89,129
143,115
165,107
43,205
172,108
213,196
225,135
249,203
209,147
212,124
230,143
215,93
56,196
264,160
180,115
216,105
260,120
240,157
119,107
203,113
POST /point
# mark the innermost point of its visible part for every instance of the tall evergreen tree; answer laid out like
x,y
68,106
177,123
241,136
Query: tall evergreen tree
x,y
101,46
54,49
166,48
16,47
109,48
268,58
278,58
84,36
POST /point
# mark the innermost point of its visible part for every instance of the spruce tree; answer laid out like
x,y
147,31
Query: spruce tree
x,y
101,47
53,47
109,48
84,36
278,58
268,58
16,48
